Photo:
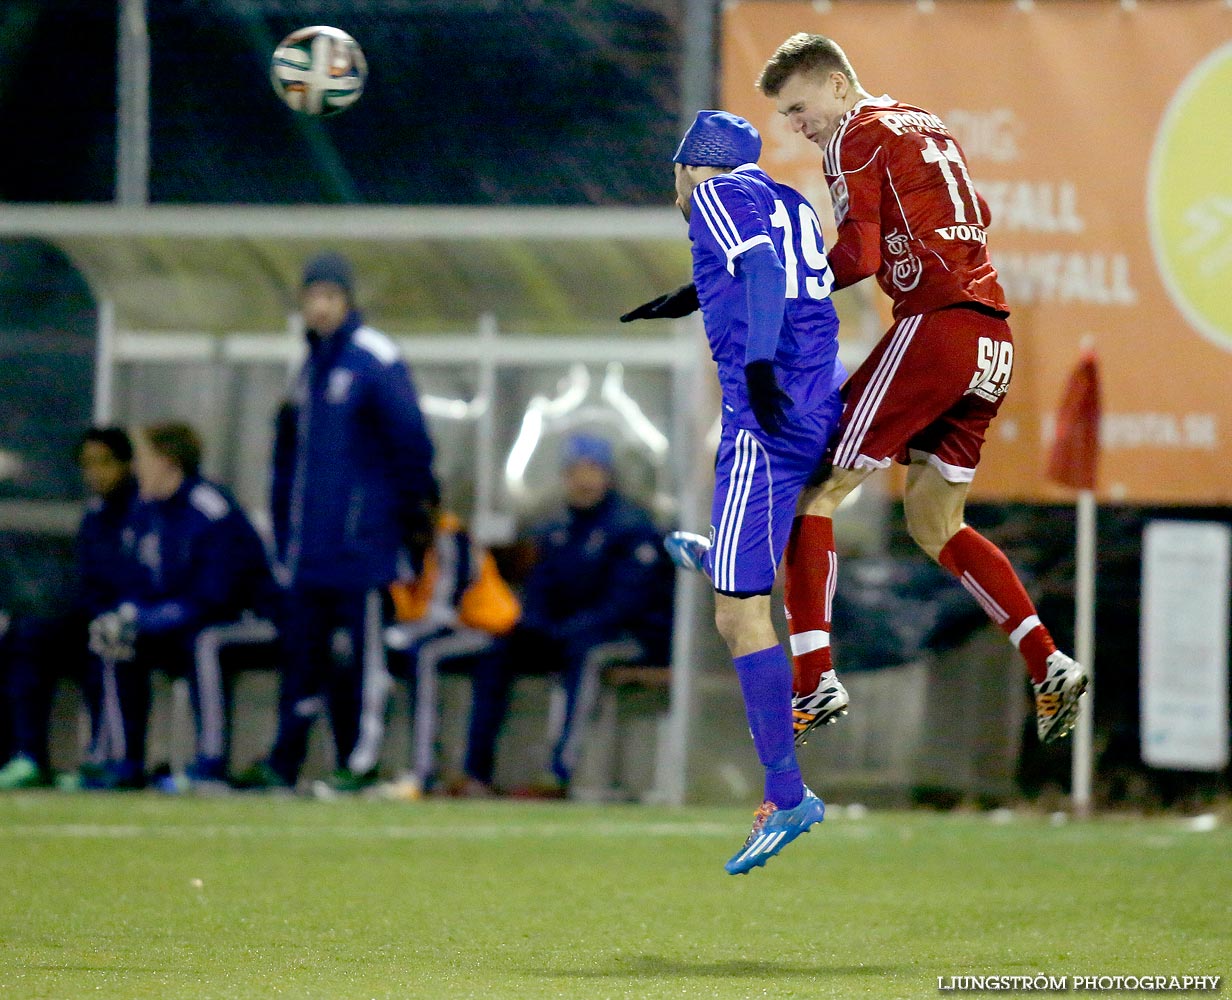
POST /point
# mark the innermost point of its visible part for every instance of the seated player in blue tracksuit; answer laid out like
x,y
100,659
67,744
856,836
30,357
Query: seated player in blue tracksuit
x,y
600,592
43,648
763,283
351,498
192,561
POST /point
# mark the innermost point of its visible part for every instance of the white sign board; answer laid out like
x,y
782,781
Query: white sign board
x,y
1184,644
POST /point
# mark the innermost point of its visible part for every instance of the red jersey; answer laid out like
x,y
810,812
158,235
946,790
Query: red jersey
x,y
898,178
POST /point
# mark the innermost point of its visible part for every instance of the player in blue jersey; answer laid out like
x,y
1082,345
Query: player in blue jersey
x,y
763,284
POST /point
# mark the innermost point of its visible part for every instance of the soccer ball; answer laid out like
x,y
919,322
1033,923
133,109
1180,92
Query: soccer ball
x,y
318,70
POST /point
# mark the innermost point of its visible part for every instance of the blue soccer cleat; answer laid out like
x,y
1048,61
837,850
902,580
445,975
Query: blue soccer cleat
x,y
687,550
774,829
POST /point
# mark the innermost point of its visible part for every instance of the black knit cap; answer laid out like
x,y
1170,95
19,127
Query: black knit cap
x,y
331,267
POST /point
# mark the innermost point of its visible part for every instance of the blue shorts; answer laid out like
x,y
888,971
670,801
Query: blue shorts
x,y
758,478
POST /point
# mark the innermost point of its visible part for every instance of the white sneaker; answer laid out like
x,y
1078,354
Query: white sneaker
x,y
687,549
1056,697
823,707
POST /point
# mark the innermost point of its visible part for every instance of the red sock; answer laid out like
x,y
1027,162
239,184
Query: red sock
x,y
982,568
810,573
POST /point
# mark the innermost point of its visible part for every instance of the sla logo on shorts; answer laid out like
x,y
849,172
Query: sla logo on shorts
x,y
995,362
1189,203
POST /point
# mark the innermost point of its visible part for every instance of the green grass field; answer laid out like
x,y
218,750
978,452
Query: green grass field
x,y
249,897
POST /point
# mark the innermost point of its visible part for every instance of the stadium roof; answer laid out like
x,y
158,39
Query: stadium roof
x,y
419,270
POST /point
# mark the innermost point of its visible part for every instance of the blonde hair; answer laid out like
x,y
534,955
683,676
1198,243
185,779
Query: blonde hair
x,y
175,441
803,53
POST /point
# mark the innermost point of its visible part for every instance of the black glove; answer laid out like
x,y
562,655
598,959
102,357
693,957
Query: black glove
x,y
768,402
671,305
419,530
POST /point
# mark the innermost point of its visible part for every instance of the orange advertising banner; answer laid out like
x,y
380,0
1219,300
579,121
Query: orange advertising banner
x,y
1100,134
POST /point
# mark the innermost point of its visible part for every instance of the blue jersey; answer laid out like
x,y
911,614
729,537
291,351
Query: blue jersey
x,y
732,213
194,559
601,571
352,462
101,566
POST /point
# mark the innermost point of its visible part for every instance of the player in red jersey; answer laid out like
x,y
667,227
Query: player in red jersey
x,y
908,212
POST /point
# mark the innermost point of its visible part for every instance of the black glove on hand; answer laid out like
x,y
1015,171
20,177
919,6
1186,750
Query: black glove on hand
x,y
768,402
672,305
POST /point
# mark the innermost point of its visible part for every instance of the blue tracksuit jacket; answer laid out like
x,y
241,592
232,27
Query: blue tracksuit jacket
x,y
194,560
601,572
101,566
352,463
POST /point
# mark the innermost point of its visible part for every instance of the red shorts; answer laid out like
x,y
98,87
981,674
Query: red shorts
x,y
927,393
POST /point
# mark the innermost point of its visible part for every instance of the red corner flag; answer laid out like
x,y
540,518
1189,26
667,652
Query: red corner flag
x,y
1075,450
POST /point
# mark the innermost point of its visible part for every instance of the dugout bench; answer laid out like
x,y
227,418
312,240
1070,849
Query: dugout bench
x,y
622,706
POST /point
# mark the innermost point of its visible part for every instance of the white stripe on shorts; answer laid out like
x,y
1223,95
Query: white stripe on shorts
x,y
852,438
727,538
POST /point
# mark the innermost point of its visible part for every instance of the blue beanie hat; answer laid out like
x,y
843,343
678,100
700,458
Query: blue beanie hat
x,y
586,448
331,267
718,139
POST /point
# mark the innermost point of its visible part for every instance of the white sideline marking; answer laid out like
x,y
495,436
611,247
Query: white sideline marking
x,y
491,831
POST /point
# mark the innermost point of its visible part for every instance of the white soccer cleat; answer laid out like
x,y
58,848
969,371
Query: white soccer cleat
x,y
823,707
1057,697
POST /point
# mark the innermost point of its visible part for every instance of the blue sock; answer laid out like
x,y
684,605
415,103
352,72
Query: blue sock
x,y
765,680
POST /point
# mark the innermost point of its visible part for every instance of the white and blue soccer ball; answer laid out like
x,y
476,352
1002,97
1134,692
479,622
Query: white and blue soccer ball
x,y
319,70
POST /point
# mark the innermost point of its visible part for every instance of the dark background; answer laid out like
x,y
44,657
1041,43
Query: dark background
x,y
566,102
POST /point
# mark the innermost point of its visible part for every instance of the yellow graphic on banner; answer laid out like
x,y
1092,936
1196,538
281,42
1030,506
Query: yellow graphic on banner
x,y
1190,198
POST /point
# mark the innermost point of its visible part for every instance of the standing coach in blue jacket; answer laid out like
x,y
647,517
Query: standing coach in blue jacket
x,y
352,487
